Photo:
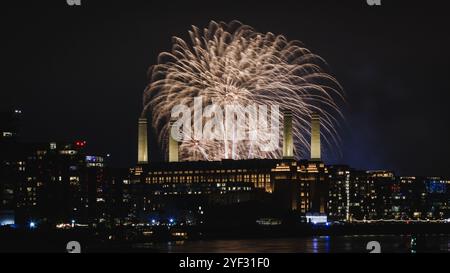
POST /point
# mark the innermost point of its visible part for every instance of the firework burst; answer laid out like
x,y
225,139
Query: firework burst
x,y
234,64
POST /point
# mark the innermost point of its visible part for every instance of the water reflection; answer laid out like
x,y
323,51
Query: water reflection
x,y
413,246
316,244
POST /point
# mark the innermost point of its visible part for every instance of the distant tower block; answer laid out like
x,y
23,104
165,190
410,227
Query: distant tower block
x,y
142,141
288,141
315,137
173,146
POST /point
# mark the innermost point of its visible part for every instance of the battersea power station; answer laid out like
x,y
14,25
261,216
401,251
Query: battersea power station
x,y
58,183
268,186
267,190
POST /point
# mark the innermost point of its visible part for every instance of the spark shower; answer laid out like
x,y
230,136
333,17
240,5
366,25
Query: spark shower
x,y
232,64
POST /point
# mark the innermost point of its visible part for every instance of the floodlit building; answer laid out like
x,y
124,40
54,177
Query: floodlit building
x,y
142,141
315,138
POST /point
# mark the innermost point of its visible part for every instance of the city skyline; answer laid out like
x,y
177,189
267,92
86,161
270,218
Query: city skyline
x,y
35,175
387,109
142,155
291,126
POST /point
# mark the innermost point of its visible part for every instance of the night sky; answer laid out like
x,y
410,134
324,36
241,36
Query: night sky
x,y
79,72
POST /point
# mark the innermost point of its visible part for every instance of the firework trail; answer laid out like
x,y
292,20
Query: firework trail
x,y
232,63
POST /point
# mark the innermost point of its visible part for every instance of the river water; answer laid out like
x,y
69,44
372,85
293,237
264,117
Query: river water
x,y
315,244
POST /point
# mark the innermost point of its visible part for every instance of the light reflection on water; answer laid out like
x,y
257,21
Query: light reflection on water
x,y
316,244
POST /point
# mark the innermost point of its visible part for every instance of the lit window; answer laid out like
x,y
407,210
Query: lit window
x,y
7,134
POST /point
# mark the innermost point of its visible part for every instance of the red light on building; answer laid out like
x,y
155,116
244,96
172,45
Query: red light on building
x,y
80,143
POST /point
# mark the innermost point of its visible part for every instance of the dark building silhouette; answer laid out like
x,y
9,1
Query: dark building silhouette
x,y
11,164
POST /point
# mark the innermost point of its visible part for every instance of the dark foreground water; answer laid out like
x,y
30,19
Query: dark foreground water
x,y
316,244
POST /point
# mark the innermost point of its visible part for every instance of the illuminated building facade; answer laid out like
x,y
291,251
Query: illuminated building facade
x,y
255,172
420,198
289,192
50,183
352,194
376,195
314,173
301,186
339,192
408,198
60,183
181,187
286,185
290,185
437,198
384,182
